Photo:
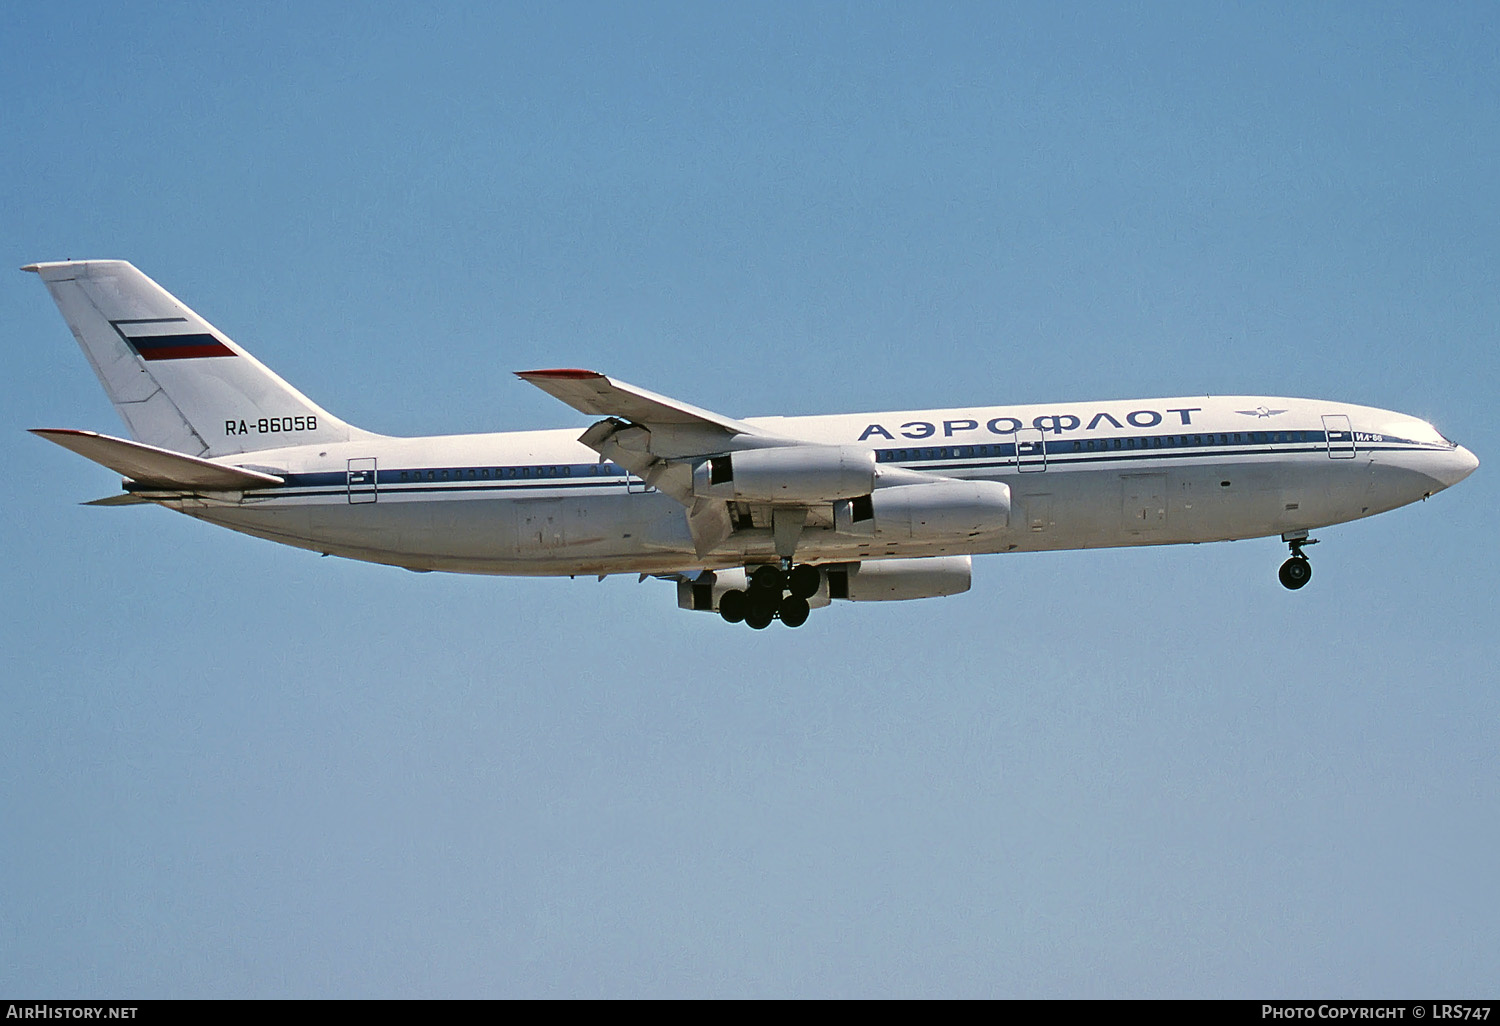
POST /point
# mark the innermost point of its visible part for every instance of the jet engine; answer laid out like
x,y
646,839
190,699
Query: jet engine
x,y
787,474
892,580
935,511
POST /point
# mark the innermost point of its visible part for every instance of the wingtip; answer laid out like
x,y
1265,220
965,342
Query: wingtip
x,y
49,432
558,372
33,268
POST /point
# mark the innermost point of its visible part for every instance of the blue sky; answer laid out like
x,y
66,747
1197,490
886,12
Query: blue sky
x,y
234,769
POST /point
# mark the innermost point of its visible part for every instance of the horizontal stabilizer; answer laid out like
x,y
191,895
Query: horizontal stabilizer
x,y
151,467
127,499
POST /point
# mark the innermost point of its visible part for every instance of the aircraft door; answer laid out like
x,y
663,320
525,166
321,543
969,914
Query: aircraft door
x,y
1031,451
1340,436
361,480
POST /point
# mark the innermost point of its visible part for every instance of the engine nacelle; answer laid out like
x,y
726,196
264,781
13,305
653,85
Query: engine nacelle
x,y
894,580
788,474
936,511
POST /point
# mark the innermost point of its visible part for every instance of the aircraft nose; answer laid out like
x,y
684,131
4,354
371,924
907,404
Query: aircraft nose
x,y
1456,466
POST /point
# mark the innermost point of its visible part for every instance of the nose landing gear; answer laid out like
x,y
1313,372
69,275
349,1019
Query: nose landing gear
x,y
1297,571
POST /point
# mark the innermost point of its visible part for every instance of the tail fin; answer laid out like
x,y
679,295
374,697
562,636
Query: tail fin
x,y
177,382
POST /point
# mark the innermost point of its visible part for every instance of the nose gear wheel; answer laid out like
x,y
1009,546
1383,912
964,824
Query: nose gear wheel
x,y
1297,571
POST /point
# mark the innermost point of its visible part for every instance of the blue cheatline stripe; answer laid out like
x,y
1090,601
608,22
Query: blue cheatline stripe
x,y
996,458
1216,441
1156,445
448,489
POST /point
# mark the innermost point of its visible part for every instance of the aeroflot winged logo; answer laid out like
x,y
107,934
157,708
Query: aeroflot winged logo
x,y
161,338
1260,411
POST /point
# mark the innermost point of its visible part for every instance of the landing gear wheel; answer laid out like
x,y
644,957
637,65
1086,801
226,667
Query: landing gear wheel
x,y
1295,573
768,578
758,619
803,581
760,607
793,611
732,606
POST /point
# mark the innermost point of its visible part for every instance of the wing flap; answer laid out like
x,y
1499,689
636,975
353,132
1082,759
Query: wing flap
x,y
150,466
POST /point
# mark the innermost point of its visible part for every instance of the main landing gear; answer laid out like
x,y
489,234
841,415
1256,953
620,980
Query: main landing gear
x,y
773,594
1297,571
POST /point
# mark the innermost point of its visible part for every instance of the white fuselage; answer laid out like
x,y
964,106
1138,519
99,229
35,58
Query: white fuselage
x,y
1081,475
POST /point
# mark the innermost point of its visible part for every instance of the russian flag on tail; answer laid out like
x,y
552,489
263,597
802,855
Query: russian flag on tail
x,y
153,339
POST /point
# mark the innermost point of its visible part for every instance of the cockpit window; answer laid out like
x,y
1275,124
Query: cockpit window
x,y
1414,431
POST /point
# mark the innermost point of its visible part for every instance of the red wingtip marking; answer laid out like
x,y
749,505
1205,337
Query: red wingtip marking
x,y
559,372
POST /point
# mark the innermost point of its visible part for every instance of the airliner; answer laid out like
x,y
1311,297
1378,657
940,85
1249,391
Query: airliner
x,y
759,519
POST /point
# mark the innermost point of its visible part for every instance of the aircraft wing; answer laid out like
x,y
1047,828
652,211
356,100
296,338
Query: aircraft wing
x,y
655,438
151,467
600,396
